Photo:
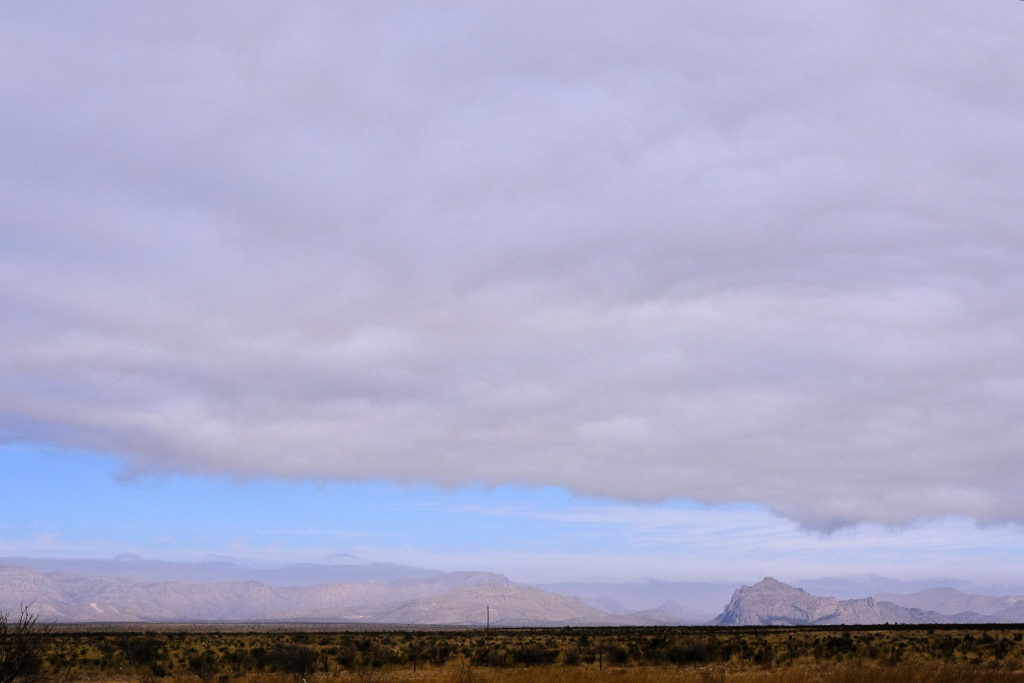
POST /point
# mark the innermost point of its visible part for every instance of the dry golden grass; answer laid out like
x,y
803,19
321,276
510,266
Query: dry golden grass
x,y
841,673
924,672
983,654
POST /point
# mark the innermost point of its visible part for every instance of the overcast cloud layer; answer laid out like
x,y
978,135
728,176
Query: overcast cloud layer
x,y
764,252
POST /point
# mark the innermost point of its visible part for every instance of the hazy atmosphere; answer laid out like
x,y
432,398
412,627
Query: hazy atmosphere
x,y
562,290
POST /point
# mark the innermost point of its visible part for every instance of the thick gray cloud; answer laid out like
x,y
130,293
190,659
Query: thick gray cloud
x,y
756,251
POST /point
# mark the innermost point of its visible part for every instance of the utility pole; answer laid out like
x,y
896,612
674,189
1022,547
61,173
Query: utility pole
x,y
488,627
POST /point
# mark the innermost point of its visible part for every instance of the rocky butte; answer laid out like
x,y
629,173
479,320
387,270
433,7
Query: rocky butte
x,y
772,603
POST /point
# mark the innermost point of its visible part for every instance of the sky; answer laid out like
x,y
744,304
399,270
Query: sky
x,y
676,290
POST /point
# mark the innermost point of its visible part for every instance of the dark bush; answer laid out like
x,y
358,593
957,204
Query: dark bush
x,y
295,659
690,651
21,646
534,655
205,664
142,650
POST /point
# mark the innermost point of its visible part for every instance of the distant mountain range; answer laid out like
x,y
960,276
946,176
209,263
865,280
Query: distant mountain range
x,y
688,602
771,602
457,598
132,589
345,569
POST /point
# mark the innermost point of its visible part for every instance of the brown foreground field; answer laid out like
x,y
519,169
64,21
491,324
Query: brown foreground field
x,y
271,654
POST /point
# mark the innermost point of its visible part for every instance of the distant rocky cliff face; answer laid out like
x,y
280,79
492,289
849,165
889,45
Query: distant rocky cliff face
x,y
773,603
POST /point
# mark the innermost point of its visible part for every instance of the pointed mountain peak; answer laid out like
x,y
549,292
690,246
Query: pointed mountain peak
x,y
770,582
772,585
